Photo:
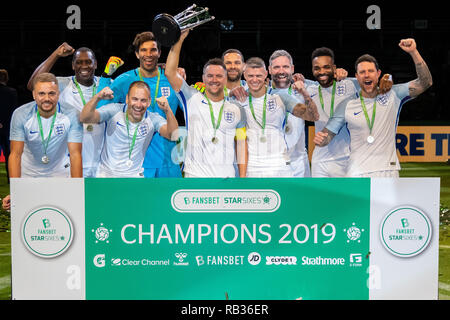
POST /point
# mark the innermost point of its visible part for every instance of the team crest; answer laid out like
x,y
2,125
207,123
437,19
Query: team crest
x,y
143,129
228,116
165,91
383,99
60,129
340,89
271,105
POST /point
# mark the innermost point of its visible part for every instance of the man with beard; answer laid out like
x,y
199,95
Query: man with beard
x,y
42,133
330,160
76,91
158,161
281,69
333,87
129,129
372,118
211,120
266,113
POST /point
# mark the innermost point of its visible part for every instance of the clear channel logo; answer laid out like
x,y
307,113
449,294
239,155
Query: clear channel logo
x,y
47,232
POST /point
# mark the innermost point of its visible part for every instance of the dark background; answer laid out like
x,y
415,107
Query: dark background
x,y
30,32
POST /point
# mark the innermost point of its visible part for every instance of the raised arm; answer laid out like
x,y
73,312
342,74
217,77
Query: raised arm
x,y
89,114
424,79
63,50
173,59
167,130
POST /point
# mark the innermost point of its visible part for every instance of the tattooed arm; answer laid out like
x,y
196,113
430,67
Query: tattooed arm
x,y
308,110
424,79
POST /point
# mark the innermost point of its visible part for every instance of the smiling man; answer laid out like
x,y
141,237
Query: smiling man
x,y
265,114
129,129
158,161
211,120
75,91
372,118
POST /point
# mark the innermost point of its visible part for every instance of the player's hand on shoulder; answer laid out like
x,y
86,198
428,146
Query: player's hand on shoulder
x,y
340,74
239,93
385,83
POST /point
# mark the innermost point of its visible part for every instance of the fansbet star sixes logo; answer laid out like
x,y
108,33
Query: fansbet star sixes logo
x,y
47,232
405,231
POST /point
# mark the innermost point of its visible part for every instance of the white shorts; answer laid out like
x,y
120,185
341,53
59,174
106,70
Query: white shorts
x,y
271,173
300,168
379,174
329,169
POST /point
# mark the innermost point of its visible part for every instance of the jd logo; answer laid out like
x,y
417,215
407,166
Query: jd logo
x,y
254,258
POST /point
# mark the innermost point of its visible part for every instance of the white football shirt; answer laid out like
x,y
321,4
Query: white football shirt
x,y
92,133
114,160
66,128
381,154
203,157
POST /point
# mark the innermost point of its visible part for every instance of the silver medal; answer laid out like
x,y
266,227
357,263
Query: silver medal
x,y
263,139
215,140
45,159
129,163
90,127
287,129
370,139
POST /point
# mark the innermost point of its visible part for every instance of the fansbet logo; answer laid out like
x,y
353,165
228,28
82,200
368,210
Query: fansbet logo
x,y
405,231
47,232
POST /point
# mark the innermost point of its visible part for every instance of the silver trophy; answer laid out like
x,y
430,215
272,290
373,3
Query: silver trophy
x,y
167,29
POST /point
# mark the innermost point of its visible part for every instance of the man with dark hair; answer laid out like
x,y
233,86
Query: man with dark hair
x,y
129,129
76,91
158,161
234,62
211,120
331,88
8,103
372,118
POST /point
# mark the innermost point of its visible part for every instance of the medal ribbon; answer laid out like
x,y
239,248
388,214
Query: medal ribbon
x,y
374,111
215,126
94,90
45,142
133,141
152,106
332,98
263,126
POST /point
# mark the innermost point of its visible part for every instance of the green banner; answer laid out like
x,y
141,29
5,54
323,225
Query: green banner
x,y
223,239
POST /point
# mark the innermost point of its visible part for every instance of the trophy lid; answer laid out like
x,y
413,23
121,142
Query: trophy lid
x,y
166,29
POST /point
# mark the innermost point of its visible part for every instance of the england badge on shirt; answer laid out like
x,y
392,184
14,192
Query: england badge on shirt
x,y
228,116
60,129
383,99
143,129
340,89
271,105
165,91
